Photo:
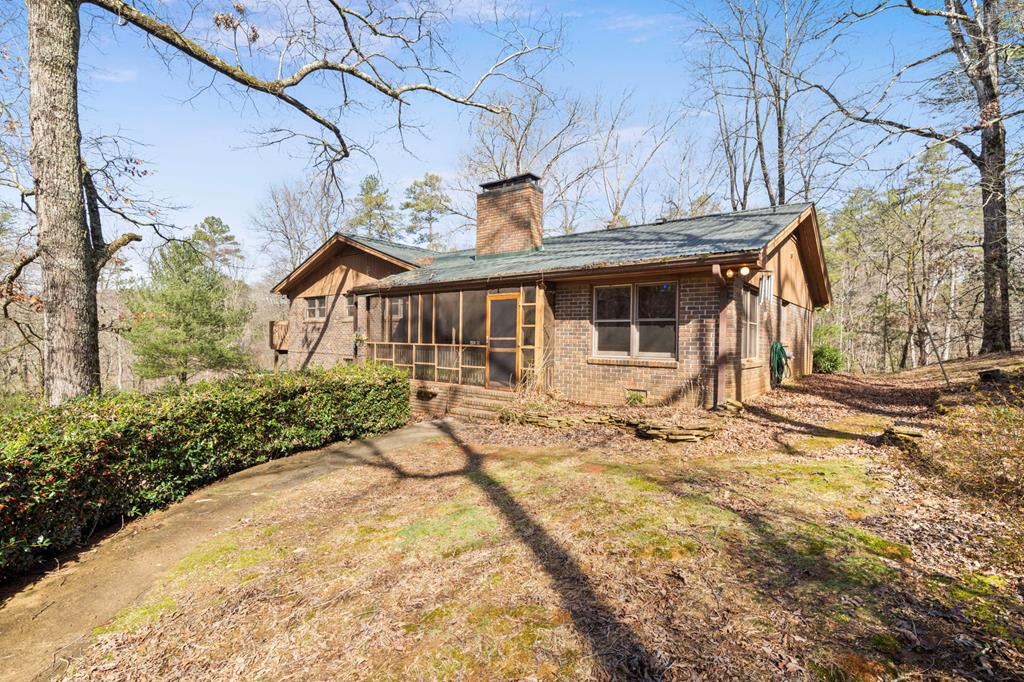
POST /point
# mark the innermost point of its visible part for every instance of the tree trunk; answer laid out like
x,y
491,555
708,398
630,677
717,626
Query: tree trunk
x,y
71,343
995,335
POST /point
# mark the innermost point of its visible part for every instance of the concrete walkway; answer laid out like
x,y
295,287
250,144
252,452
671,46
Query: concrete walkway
x,y
44,623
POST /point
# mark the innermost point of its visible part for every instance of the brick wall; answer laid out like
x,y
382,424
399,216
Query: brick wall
x,y
780,321
321,343
577,375
690,380
509,219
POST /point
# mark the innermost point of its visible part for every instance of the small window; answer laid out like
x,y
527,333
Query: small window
x,y
767,288
351,306
656,319
316,308
612,319
751,324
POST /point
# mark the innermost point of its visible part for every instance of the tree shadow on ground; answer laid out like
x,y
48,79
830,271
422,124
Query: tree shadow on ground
x,y
617,649
867,395
860,596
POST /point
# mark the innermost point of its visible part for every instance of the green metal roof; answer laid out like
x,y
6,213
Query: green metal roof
x,y
414,255
741,231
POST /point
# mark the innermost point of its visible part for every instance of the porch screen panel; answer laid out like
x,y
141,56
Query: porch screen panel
x,y
474,317
375,319
398,319
612,319
656,319
414,319
446,314
427,318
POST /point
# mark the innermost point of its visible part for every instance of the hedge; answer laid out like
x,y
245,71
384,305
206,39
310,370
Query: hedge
x,y
65,471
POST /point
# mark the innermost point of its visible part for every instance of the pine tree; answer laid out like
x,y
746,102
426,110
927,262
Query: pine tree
x,y
426,203
184,322
375,216
217,242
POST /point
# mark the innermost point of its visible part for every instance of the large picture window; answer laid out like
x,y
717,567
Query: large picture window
x,y
751,326
636,320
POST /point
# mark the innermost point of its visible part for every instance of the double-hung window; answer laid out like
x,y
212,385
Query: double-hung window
x,y
637,320
316,308
751,324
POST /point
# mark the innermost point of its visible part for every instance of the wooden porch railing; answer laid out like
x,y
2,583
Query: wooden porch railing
x,y
448,363
279,335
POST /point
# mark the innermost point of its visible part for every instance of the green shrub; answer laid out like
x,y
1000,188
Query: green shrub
x,y
828,359
64,471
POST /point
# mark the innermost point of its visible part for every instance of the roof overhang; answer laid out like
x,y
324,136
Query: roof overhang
x,y
325,251
692,264
812,254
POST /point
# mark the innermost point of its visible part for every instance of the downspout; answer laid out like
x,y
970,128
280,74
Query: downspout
x,y
720,351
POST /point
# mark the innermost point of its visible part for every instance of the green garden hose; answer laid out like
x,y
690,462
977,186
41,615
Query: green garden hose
x,y
779,363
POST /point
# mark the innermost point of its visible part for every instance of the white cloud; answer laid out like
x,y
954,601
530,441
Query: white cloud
x,y
116,75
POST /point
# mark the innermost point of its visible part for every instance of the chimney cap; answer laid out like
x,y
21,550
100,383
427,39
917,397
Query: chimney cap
x,y
522,179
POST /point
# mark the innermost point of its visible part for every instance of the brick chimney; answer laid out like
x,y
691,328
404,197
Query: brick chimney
x,y
510,215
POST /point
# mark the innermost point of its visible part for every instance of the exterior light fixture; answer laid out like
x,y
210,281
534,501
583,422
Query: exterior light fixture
x,y
729,272
744,271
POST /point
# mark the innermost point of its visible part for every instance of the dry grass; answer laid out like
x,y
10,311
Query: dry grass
x,y
791,546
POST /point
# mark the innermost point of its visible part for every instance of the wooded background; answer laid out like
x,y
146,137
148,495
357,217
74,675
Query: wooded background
x,y
917,179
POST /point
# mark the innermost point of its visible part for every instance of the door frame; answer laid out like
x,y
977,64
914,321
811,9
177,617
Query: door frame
x,y
487,340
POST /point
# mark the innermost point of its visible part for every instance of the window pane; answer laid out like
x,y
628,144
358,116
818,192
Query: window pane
x,y
657,337
474,319
611,303
503,317
446,310
656,301
529,336
612,337
529,294
529,313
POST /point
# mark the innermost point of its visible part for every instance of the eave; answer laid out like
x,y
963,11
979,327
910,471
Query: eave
x,y
689,264
314,259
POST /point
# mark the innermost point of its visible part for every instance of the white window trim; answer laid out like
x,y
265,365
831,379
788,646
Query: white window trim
x,y
634,326
749,297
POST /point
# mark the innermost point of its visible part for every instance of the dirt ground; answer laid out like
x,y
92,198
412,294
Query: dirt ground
x,y
793,545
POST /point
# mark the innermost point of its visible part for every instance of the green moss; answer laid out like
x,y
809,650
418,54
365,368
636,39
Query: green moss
x,y
132,619
226,554
450,531
885,643
877,545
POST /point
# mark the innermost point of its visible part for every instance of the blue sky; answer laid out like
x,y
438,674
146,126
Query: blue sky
x,y
202,150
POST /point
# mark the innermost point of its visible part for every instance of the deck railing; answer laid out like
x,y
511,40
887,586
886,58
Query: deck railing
x,y
278,335
448,363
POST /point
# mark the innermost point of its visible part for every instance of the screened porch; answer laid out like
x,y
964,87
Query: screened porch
x,y
479,337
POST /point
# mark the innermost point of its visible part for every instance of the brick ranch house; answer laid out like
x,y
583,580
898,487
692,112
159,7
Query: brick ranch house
x,y
675,311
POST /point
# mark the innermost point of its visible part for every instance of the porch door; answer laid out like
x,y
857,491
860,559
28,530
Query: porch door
x,y
502,340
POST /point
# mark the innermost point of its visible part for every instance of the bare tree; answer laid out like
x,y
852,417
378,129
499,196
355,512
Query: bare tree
x,y
297,217
624,154
973,88
393,51
542,132
755,54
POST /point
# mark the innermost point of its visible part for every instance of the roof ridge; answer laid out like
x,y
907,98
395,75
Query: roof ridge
x,y
363,237
764,209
